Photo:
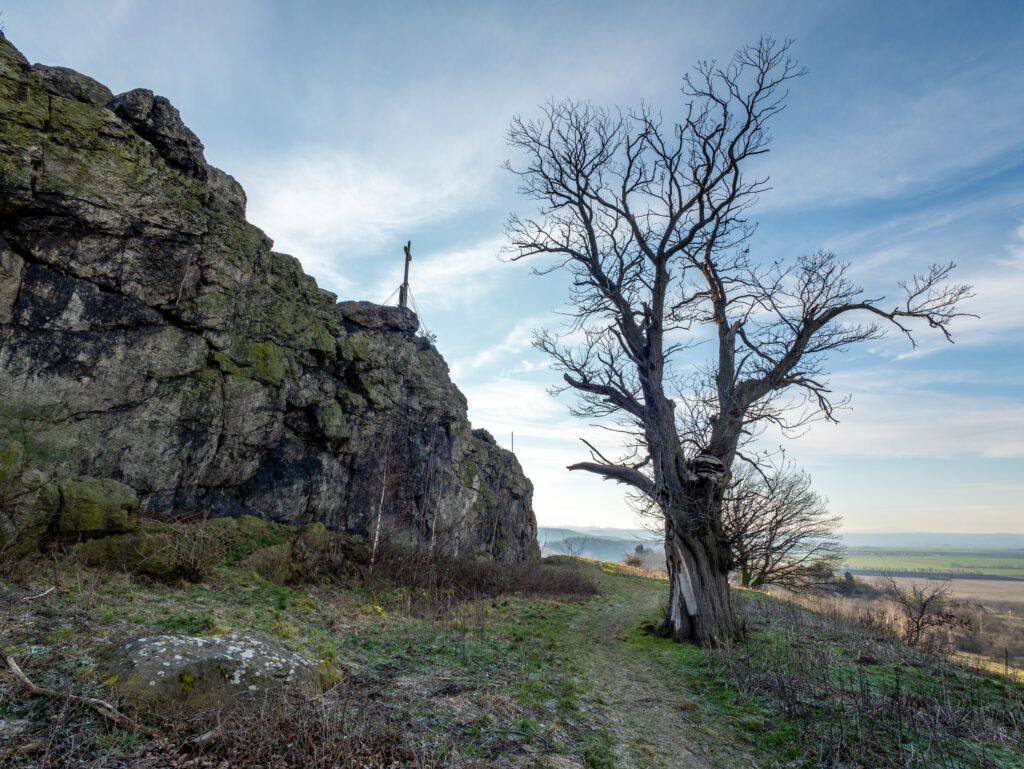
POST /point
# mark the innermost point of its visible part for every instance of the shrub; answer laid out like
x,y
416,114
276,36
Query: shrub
x,y
439,579
636,560
337,732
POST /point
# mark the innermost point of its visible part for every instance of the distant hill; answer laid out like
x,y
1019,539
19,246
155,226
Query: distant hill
x,y
599,543
605,543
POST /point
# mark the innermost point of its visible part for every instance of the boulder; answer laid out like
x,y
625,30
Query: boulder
x,y
62,81
33,505
94,507
375,317
164,673
158,121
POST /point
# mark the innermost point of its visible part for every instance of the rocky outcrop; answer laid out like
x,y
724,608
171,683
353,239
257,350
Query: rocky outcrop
x,y
150,335
160,674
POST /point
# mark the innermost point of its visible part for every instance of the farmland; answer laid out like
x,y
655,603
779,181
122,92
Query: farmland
x,y
1007,564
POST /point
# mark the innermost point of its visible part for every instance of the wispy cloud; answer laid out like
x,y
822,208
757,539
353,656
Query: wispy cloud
x,y
881,142
324,206
547,440
997,301
506,353
900,417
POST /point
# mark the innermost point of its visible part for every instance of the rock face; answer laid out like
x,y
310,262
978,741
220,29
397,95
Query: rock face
x,y
163,673
151,336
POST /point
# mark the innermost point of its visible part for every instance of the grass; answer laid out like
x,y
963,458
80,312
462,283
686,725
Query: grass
x,y
484,678
555,680
804,691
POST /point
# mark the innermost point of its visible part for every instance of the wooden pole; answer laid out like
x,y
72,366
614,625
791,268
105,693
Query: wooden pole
x,y
403,292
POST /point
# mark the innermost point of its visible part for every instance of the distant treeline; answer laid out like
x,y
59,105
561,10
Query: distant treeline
x,y
932,574
894,552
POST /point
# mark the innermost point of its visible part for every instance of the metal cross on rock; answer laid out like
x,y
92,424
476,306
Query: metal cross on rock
x,y
403,292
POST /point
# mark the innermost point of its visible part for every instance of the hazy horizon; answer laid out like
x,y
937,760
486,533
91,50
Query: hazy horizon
x,y
841,530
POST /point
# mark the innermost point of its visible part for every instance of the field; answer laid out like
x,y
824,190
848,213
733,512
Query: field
x,y
1008,564
981,590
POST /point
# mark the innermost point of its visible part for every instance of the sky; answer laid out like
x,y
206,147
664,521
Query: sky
x,y
357,126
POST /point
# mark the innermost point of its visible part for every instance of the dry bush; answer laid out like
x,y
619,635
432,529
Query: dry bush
x,y
439,580
992,629
342,730
636,560
650,563
194,549
925,610
995,630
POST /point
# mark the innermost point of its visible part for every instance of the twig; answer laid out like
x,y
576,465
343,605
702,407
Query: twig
x,y
105,709
34,597
181,288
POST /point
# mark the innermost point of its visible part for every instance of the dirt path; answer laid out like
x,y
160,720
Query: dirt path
x,y
651,721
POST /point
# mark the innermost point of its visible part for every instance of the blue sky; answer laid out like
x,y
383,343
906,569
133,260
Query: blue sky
x,y
354,127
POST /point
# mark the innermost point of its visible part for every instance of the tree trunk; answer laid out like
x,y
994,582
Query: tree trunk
x,y
744,576
700,607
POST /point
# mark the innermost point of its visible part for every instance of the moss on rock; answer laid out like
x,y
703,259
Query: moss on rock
x,y
313,555
142,552
95,506
331,421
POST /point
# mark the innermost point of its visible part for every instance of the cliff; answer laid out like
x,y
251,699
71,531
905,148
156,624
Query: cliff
x,y
151,336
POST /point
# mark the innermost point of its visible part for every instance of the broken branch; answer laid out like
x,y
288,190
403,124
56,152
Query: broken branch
x,y
105,709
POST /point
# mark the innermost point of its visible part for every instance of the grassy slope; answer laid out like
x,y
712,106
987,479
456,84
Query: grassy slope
x,y
539,682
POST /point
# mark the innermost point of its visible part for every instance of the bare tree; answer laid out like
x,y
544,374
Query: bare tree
x,y
648,217
572,547
779,530
924,607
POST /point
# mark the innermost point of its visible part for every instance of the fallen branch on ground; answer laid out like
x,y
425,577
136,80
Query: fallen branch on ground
x,y
34,597
105,709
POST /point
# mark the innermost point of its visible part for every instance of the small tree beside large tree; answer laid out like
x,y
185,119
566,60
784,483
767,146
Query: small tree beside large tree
x,y
649,218
779,530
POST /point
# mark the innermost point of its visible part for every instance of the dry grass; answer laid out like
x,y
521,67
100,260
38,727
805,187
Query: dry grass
x,y
979,590
345,729
992,630
435,582
854,692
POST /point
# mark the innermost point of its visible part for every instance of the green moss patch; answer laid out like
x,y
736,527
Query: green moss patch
x,y
93,506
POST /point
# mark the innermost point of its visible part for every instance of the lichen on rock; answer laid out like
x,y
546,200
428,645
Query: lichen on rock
x,y
164,673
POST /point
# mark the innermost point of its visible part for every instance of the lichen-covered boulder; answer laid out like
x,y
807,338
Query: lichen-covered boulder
x,y
163,673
